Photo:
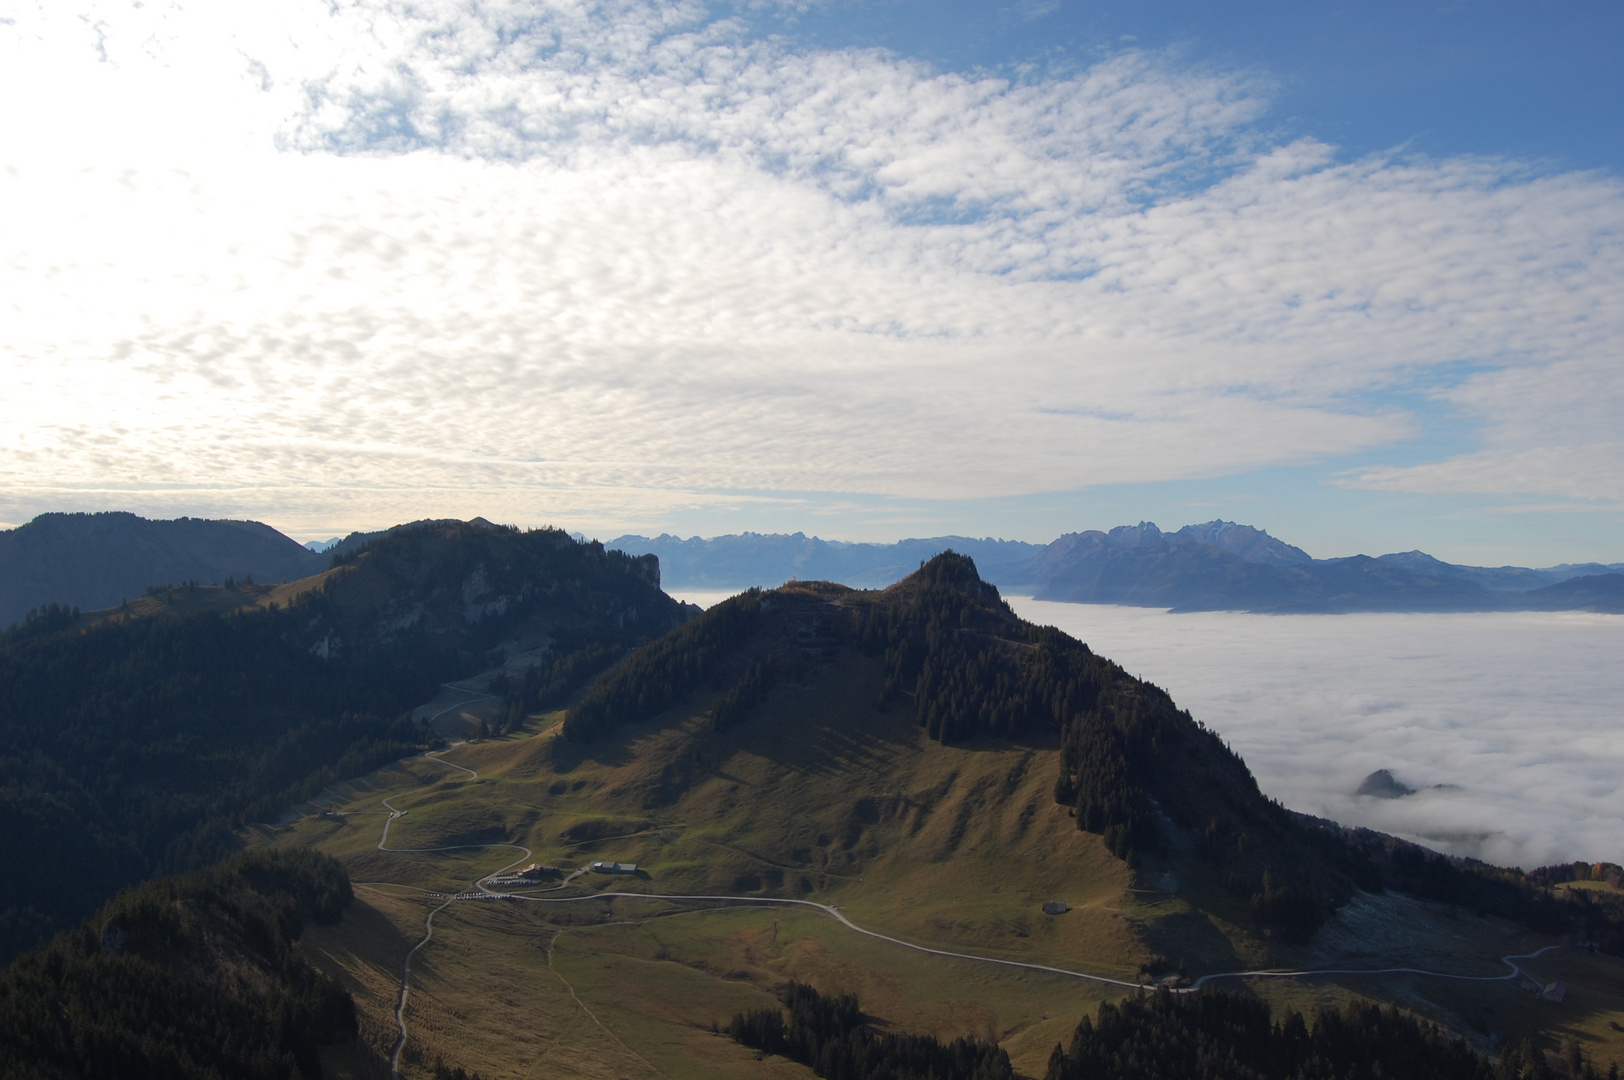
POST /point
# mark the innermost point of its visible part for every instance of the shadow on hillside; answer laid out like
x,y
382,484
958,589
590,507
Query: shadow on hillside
x,y
863,742
566,756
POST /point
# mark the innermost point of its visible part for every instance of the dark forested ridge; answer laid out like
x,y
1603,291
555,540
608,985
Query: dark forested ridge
x,y
133,744
96,560
184,977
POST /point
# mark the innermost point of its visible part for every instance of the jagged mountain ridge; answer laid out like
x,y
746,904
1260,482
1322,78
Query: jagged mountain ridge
x,y
1133,767
95,560
1221,566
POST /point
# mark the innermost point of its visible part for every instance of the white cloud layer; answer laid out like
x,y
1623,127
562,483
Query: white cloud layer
x,y
1511,726
363,262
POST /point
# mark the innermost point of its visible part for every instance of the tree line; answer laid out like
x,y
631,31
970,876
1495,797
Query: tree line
x,y
735,705
574,657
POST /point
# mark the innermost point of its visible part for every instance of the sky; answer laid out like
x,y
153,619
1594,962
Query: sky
x,y
1504,725
1349,273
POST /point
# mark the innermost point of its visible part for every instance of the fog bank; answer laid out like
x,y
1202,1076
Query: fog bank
x,y
1508,725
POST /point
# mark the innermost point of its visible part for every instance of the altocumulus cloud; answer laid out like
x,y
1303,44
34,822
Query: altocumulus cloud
x,y
595,262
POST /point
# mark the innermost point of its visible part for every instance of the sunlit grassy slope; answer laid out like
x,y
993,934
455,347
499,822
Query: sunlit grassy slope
x,y
957,847
820,795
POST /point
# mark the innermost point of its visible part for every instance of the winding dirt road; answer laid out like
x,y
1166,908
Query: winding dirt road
x,y
484,893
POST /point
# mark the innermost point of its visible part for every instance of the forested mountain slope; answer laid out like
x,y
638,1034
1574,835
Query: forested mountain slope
x,y
96,560
187,978
134,740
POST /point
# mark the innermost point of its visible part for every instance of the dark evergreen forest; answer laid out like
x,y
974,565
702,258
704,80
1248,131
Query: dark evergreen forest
x,y
185,977
833,1036
668,671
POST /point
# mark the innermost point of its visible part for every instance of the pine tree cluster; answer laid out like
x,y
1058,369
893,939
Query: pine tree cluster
x,y
737,703
832,1036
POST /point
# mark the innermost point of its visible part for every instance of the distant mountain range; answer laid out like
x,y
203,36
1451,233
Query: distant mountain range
x,y
769,559
93,561
1215,566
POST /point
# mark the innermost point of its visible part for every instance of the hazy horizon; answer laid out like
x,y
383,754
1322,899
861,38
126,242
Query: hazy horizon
x,y
1614,557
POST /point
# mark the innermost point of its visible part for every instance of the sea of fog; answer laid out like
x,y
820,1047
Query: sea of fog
x,y
1509,725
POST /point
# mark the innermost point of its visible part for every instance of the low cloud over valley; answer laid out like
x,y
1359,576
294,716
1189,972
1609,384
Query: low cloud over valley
x,y
1509,726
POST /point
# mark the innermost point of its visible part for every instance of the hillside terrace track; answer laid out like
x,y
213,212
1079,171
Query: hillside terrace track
x,y
479,695
833,912
1510,961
